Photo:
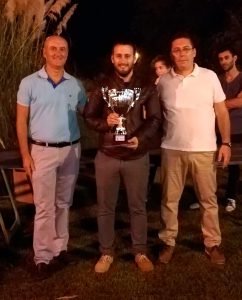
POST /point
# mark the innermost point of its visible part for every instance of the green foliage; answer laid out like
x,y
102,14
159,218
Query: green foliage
x,y
20,54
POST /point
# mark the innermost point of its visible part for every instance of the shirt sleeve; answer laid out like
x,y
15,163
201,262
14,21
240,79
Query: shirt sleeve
x,y
24,93
218,95
82,97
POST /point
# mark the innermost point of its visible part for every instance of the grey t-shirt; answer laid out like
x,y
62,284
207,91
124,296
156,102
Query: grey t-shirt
x,y
231,90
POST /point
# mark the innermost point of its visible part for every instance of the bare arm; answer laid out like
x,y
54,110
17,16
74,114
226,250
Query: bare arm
x,y
234,102
22,133
222,115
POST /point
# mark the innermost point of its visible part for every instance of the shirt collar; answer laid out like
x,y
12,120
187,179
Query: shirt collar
x,y
42,73
194,73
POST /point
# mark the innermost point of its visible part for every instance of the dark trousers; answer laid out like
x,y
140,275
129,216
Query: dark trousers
x,y
233,172
233,181
134,174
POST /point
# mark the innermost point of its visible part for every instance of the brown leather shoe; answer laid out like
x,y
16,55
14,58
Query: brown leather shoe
x,y
42,271
65,258
166,254
215,254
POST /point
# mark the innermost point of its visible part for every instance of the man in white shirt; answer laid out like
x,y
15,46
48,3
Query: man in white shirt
x,y
191,98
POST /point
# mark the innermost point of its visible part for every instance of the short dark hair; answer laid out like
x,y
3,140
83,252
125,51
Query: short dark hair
x,y
124,41
226,47
185,35
162,58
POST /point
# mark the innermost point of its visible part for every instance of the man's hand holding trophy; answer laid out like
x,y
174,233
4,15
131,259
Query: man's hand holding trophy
x,y
120,102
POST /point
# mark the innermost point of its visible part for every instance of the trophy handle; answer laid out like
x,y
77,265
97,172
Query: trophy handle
x,y
105,96
137,92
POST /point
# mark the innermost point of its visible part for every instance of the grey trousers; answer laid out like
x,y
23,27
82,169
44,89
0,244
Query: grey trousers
x,y
135,175
54,178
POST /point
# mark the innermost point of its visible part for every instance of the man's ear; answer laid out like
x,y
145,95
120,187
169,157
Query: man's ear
x,y
136,57
194,52
43,53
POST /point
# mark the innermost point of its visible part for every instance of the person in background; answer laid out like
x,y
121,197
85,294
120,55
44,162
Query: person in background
x,y
192,97
128,162
160,65
49,140
231,81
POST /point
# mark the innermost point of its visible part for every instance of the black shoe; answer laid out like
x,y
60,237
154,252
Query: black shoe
x,y
65,258
42,271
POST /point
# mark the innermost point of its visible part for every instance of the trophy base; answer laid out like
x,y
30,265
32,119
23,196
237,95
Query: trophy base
x,y
120,138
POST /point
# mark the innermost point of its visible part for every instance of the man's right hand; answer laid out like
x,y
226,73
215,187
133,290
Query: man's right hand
x,y
28,165
113,119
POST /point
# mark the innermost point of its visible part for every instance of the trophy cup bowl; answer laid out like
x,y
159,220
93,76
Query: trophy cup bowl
x,y
121,101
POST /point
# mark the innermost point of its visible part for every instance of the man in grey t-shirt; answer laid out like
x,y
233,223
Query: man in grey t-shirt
x,y
231,81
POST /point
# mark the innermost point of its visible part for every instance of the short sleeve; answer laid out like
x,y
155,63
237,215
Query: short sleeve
x,y
24,94
218,95
82,97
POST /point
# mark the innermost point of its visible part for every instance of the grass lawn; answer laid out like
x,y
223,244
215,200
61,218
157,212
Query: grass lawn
x,y
190,275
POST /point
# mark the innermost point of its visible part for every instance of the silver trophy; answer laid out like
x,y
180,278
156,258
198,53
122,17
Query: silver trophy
x,y
120,102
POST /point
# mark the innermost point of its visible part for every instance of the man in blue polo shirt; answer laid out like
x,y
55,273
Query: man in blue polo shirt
x,y
48,135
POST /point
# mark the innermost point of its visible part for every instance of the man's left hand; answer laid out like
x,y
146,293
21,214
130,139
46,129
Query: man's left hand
x,y
133,143
224,155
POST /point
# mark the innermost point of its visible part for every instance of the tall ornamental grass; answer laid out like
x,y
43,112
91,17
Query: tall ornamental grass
x,y
23,26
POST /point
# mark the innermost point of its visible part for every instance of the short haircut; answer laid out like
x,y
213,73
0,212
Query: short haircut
x,y
58,36
184,35
161,58
124,41
226,47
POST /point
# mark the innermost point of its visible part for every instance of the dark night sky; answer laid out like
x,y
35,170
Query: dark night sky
x,y
150,22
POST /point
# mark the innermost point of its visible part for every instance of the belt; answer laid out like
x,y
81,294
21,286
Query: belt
x,y
57,145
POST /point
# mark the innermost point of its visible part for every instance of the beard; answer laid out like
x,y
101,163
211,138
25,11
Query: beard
x,y
123,72
228,67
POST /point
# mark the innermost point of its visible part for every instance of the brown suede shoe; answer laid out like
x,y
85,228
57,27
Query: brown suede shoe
x,y
166,254
103,263
143,263
215,254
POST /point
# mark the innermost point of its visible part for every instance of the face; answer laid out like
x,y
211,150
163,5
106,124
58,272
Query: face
x,y
160,68
123,59
227,60
183,54
55,51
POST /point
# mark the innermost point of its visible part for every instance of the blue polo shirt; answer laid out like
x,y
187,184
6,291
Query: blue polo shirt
x,y
53,108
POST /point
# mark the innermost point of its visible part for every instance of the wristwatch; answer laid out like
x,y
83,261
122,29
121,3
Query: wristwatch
x,y
227,144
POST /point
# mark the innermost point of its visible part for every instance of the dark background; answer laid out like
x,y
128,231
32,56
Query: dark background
x,y
151,23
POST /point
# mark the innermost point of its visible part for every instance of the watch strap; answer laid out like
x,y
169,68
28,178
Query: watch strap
x,y
227,144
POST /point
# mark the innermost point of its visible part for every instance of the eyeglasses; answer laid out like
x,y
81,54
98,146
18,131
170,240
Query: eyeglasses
x,y
185,50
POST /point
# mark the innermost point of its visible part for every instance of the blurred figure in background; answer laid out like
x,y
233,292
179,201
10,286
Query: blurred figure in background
x,y
160,65
231,81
